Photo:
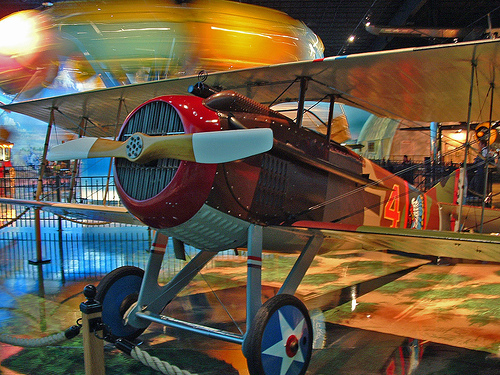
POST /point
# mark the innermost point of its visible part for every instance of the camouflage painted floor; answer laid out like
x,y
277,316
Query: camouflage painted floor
x,y
457,304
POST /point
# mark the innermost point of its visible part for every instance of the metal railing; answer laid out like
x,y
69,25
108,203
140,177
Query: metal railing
x,y
55,188
75,250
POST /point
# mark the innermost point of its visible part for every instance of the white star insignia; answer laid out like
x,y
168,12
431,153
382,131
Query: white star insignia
x,y
280,348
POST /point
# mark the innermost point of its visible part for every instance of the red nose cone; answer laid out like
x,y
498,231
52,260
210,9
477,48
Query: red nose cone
x,y
166,193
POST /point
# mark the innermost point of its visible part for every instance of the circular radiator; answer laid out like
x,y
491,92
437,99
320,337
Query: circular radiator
x,y
144,181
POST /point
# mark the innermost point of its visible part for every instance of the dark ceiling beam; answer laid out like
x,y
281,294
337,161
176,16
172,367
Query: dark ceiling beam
x,y
408,8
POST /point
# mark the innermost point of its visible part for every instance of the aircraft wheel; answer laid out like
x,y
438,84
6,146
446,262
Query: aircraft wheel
x,y
280,338
116,292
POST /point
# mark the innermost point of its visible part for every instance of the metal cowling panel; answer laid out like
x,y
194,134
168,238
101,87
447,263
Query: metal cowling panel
x,y
211,230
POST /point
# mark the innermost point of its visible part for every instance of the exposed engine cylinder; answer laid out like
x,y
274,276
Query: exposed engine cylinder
x,y
166,192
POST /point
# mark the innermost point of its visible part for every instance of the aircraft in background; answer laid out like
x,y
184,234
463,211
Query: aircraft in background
x,y
76,46
218,169
441,34
79,45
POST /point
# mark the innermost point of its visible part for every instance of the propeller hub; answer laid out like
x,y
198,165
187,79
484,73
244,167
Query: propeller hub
x,y
134,146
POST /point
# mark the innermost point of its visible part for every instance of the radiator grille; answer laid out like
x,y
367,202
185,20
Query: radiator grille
x,y
144,181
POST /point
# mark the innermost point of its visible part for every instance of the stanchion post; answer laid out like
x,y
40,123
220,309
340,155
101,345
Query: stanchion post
x,y
93,346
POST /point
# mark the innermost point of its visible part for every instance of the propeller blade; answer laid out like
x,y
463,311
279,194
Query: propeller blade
x,y
81,149
229,145
205,147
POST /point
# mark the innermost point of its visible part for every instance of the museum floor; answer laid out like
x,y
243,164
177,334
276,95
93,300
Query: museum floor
x,y
373,313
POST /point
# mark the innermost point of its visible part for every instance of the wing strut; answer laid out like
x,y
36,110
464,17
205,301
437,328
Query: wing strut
x,y
486,162
474,68
302,98
302,264
118,114
467,144
330,117
39,188
74,170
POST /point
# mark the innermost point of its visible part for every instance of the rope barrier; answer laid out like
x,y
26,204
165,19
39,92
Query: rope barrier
x,y
157,364
125,346
146,359
14,219
56,338
89,307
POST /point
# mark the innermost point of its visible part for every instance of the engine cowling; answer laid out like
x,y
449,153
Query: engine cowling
x,y
165,193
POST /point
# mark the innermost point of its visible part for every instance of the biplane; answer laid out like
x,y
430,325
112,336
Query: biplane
x,y
213,166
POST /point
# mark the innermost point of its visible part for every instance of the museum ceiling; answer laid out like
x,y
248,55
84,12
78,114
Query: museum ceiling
x,y
337,20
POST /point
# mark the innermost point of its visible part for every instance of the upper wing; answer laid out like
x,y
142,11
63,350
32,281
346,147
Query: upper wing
x,y
80,211
424,242
420,84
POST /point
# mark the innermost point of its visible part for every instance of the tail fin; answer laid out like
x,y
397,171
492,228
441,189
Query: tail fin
x,y
448,189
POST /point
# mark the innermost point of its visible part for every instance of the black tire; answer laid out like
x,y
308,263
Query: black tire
x,y
280,335
116,292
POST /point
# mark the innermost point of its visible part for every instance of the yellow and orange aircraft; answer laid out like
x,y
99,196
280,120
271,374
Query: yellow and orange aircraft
x,y
108,43
217,169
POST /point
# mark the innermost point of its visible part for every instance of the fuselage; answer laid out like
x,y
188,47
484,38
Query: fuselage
x,y
304,176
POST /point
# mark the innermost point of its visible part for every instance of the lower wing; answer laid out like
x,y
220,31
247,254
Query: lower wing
x,y
473,246
337,236
80,211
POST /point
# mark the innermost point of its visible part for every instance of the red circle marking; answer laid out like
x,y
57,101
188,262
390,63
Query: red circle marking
x,y
292,346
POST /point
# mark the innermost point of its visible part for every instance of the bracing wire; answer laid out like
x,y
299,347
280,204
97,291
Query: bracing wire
x,y
221,303
210,287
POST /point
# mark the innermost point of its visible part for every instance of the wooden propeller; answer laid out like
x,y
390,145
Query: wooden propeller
x,y
205,147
